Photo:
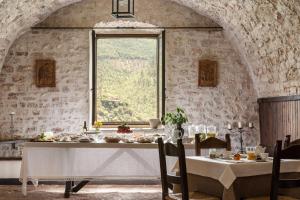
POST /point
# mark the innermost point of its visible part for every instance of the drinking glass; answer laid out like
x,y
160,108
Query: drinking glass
x,y
212,153
169,132
211,131
7,154
192,130
186,130
250,149
201,129
250,153
15,153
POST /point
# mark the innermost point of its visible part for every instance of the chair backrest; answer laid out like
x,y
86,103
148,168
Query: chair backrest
x,y
211,142
288,142
291,152
167,180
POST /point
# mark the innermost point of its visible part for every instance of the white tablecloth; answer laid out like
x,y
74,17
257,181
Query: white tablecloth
x,y
227,171
80,161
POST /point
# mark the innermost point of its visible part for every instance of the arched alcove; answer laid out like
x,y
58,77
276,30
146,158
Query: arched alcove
x,y
43,109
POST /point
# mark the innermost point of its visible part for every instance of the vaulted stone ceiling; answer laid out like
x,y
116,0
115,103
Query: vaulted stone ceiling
x,y
266,33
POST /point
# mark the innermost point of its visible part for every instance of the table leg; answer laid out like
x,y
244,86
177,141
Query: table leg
x,y
79,186
24,172
24,186
231,194
68,189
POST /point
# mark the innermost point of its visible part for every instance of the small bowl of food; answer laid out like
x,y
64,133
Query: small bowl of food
x,y
145,140
128,140
111,139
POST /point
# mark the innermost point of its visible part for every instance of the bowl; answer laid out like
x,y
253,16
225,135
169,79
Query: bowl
x,y
112,139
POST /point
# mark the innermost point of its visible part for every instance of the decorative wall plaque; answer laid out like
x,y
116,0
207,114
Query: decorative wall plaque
x,y
45,73
208,74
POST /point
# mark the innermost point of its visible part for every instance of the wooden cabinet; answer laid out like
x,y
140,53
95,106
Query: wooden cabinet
x,y
279,116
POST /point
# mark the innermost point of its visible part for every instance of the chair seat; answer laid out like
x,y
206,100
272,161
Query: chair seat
x,y
268,198
192,196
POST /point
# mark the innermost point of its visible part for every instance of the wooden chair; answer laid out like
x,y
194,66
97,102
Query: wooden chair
x,y
211,142
167,180
291,152
287,141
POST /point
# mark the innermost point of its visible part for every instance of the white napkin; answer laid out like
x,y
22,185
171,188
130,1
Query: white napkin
x,y
259,150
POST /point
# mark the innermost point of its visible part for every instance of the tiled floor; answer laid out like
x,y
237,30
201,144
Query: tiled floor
x,y
91,192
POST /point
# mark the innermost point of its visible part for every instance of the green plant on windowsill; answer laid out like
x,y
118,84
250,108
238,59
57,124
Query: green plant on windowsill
x,y
176,118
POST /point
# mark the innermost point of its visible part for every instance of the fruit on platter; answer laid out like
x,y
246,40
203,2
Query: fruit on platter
x,y
124,129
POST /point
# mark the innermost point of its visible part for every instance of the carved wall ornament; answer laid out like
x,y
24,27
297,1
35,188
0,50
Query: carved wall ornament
x,y
45,73
208,73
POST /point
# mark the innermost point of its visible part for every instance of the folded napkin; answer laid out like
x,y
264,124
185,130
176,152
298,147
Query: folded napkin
x,y
259,150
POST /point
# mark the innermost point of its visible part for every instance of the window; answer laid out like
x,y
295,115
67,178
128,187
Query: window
x,y
128,79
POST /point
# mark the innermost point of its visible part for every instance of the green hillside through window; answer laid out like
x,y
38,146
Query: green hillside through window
x,y
126,79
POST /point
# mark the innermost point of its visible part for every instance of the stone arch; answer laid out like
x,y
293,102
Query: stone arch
x,y
234,98
265,32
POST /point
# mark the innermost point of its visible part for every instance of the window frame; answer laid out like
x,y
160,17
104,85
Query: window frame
x,y
160,64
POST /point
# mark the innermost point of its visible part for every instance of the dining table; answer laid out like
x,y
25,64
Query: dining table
x,y
236,179
72,162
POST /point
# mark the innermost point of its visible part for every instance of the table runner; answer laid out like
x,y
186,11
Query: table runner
x,y
227,171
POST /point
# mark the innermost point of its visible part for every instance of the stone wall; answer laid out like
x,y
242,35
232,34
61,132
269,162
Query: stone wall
x,y
64,108
59,109
234,99
266,34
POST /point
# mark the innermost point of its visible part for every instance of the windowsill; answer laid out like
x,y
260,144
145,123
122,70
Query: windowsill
x,y
135,130
112,126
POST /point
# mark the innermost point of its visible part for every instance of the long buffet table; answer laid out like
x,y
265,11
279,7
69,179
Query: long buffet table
x,y
90,161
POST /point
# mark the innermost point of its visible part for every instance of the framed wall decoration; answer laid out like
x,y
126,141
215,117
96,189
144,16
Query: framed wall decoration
x,y
208,73
45,73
